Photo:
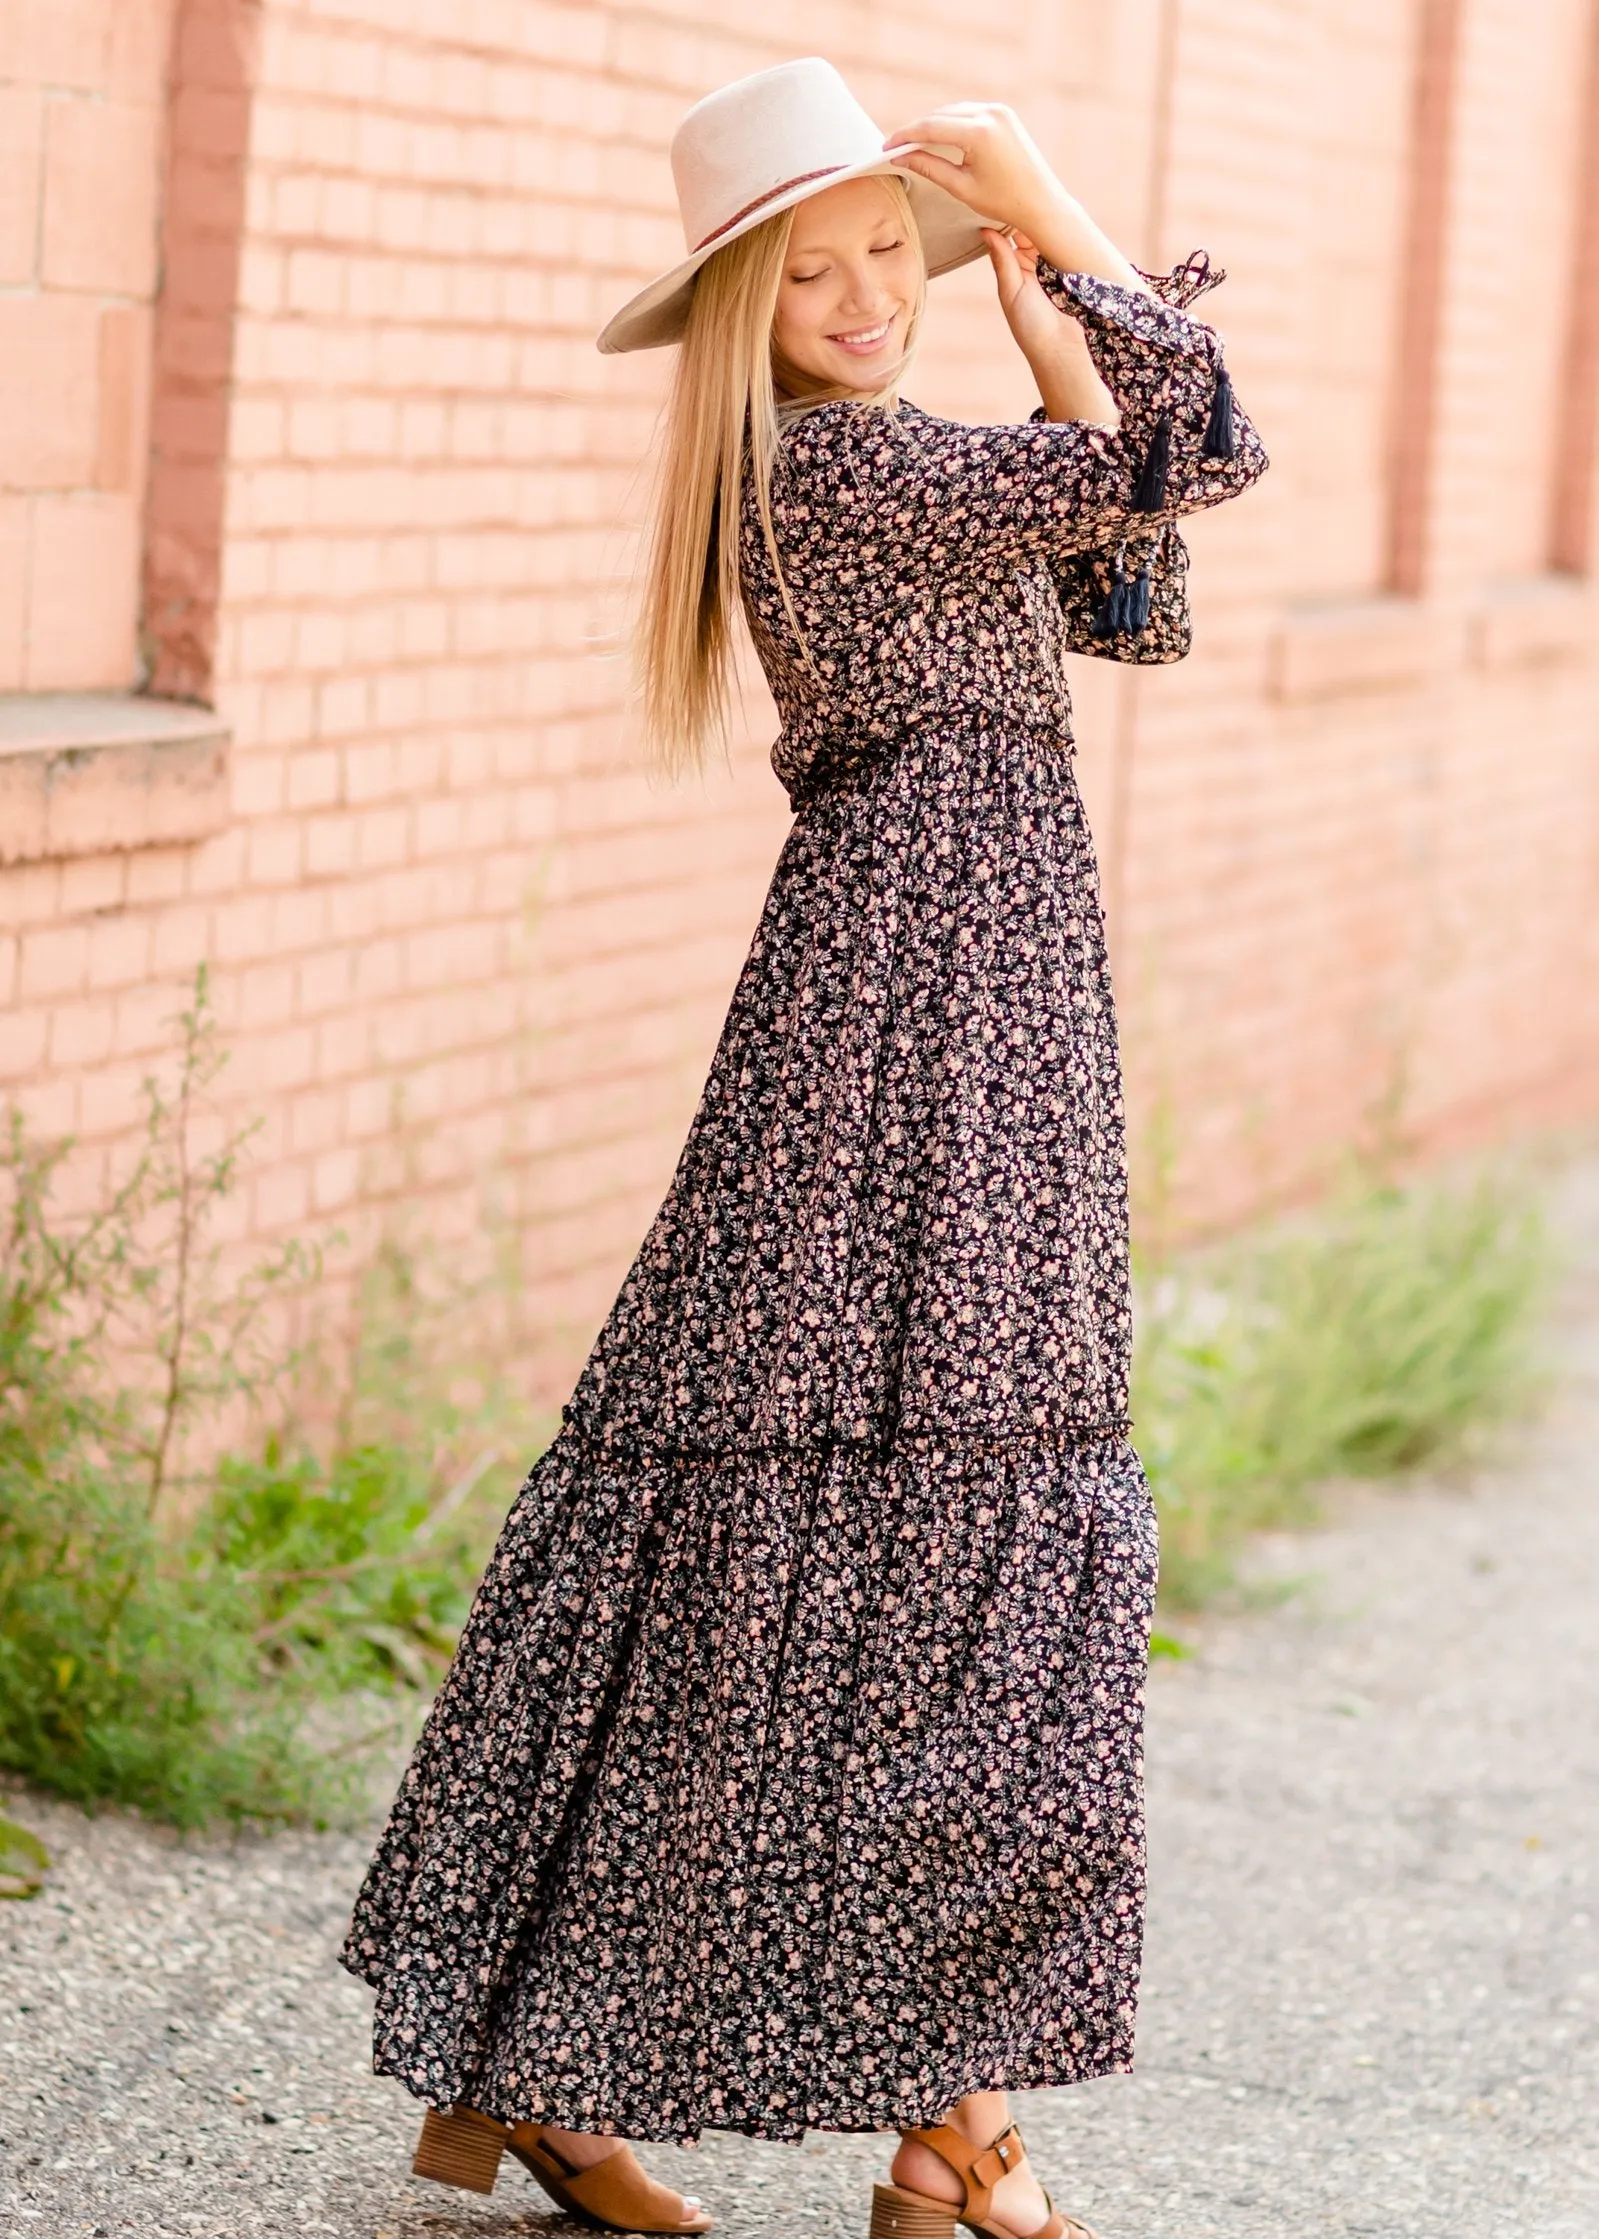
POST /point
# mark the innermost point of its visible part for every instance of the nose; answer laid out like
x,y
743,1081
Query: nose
x,y
862,295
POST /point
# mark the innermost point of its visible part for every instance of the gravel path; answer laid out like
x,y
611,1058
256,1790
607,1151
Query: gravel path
x,y
1372,1996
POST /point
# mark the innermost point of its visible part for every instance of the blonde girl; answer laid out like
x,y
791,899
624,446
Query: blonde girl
x,y
788,1775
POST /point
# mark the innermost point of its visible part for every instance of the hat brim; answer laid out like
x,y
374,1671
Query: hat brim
x,y
951,235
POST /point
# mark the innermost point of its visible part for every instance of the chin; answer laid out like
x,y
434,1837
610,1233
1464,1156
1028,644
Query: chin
x,y
869,373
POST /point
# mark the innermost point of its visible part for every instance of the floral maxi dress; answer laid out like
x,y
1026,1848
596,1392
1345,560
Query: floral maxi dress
x,y
788,1773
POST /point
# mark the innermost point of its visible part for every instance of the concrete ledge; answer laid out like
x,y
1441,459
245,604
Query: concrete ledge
x,y
1324,649
1539,618
82,773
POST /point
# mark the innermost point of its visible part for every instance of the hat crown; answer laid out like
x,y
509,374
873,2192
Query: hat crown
x,y
747,142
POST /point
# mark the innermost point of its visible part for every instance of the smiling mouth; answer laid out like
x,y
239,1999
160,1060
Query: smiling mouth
x,y
864,339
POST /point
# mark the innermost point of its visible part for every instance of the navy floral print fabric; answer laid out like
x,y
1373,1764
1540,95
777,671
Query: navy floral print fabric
x,y
788,1773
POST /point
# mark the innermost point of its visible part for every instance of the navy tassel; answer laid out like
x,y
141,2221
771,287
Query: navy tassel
x,y
1149,492
1112,615
1138,597
1221,437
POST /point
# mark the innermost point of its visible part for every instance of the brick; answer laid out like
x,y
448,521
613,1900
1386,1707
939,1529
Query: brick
x,y
342,707
330,843
369,1109
180,937
61,44
274,852
314,282
124,361
30,894
139,48
81,1033
24,1041
314,779
343,1048
101,175
83,594
49,391
156,874
94,882
16,530
299,920
144,1020
55,962
240,929
336,1180
326,981
260,784
266,996
314,1121
50,1110
119,950
22,138
280,1201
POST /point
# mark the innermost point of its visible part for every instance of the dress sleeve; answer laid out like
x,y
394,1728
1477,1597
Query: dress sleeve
x,y
1061,489
1127,600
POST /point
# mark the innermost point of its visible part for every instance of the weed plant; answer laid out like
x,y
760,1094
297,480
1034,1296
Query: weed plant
x,y
1393,1329
173,1638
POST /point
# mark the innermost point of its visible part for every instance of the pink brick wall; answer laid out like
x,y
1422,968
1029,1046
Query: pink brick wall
x,y
82,115
469,958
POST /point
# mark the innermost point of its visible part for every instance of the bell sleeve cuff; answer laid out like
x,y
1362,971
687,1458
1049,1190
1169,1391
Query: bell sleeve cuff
x,y
1165,370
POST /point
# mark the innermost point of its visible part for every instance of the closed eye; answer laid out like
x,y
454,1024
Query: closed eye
x,y
880,249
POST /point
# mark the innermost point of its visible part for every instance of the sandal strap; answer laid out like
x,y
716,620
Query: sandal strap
x,y
979,2168
620,2192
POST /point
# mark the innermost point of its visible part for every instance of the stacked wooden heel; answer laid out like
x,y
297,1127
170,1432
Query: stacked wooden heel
x,y
460,2148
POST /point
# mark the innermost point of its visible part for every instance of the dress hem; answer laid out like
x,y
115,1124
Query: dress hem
x,y
646,2129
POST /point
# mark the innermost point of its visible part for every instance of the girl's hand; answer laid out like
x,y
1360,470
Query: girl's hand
x,y
1037,327
1054,347
1001,173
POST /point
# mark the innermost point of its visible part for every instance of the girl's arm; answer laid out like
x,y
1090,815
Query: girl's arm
x,y
1003,172
1055,348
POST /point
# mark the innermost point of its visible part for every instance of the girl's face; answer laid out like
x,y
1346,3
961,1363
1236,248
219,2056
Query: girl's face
x,y
849,289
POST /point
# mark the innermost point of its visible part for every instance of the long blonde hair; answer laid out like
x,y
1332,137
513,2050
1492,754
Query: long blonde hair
x,y
723,414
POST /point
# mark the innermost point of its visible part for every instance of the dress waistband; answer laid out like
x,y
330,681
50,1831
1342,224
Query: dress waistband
x,y
827,762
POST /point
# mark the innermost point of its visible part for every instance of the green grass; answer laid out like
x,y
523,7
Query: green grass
x,y
24,1861
1392,1329
182,1637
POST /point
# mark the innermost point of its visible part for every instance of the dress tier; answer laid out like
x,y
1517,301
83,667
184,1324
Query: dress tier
x,y
788,1773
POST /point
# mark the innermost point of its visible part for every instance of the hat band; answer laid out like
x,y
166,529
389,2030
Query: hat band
x,y
761,201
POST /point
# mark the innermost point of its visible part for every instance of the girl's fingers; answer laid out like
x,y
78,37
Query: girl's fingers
x,y
1008,271
946,125
955,178
950,176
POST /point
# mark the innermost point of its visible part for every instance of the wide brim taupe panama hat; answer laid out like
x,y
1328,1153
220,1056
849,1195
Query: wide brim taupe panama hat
x,y
754,149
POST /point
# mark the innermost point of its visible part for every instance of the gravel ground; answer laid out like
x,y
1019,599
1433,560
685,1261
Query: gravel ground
x,y
1372,1995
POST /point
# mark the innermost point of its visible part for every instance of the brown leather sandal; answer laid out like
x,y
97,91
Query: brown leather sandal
x,y
899,2214
461,2147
